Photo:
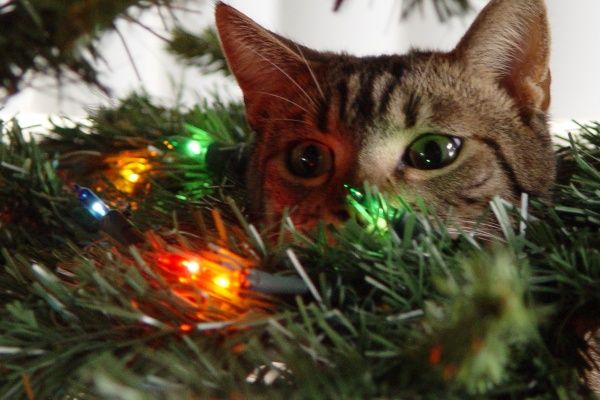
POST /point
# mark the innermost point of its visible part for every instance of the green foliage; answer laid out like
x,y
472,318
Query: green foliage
x,y
203,50
417,311
490,300
56,37
137,122
36,213
443,8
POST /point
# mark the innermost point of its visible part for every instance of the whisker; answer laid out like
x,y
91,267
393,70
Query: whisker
x,y
463,221
479,230
479,234
489,234
475,226
289,120
283,98
310,70
311,101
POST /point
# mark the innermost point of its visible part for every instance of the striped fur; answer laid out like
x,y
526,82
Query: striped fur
x,y
492,91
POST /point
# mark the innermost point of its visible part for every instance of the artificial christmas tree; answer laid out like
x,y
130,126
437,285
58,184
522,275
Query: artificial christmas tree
x,y
149,281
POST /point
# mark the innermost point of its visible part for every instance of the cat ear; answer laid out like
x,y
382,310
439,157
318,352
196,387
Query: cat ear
x,y
261,60
510,41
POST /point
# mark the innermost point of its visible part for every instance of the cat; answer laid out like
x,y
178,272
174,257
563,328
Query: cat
x,y
453,128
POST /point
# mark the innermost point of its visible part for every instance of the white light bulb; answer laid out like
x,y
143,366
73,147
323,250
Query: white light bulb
x,y
99,209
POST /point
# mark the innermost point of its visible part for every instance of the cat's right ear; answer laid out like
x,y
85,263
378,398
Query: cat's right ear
x,y
262,61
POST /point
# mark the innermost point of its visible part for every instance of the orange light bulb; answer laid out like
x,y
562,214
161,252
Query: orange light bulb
x,y
133,177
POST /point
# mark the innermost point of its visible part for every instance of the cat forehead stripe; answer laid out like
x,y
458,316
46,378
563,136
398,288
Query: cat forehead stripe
x,y
411,110
383,91
363,104
365,93
322,114
342,90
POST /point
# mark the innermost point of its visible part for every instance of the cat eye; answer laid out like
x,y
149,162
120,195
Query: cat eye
x,y
309,159
432,151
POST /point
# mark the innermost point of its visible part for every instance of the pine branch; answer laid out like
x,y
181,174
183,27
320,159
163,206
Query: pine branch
x,y
37,213
444,9
403,308
55,38
202,51
137,122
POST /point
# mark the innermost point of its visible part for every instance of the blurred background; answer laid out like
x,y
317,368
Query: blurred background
x,y
135,59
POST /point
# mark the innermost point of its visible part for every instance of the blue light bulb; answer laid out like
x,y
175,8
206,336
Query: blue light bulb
x,y
95,206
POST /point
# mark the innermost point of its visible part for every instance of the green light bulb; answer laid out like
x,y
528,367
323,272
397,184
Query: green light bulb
x,y
199,135
355,193
372,208
194,147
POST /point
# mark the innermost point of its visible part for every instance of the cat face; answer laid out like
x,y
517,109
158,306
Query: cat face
x,y
455,129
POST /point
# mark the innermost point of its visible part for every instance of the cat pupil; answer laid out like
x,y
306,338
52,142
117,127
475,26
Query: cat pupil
x,y
309,159
432,153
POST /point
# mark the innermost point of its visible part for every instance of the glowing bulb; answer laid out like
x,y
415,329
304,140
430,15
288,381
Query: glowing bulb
x,y
131,172
222,281
99,209
192,266
92,202
355,193
133,177
194,147
381,223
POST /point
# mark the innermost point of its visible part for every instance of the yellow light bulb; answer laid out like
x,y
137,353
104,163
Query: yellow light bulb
x,y
222,281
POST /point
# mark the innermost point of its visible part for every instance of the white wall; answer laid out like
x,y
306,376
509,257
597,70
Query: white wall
x,y
360,27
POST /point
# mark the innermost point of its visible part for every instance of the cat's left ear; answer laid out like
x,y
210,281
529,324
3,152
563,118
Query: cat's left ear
x,y
510,41
263,62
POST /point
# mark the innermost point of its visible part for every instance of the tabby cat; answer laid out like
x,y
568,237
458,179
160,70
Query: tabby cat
x,y
455,129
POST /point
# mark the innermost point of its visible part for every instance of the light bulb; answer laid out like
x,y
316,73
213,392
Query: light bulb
x,y
222,281
95,206
192,266
194,147
133,177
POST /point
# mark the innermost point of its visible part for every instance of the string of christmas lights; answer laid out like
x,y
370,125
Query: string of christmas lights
x,y
209,277
215,269
191,165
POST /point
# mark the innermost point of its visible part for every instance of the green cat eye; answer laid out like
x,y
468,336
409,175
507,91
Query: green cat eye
x,y
432,151
309,159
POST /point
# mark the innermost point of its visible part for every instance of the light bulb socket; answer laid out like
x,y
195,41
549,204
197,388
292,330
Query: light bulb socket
x,y
222,159
263,282
117,226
